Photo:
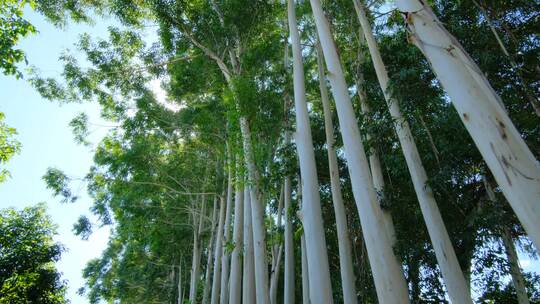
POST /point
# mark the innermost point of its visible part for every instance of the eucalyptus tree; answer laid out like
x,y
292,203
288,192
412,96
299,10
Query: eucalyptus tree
x,y
345,258
317,257
512,163
455,281
235,292
389,280
248,271
198,220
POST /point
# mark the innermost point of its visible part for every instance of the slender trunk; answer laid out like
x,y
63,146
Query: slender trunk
x,y
305,270
277,255
513,165
225,259
289,249
257,213
533,100
248,285
275,276
218,250
179,296
374,160
344,244
378,179
319,274
515,271
196,254
206,291
387,273
458,290
235,292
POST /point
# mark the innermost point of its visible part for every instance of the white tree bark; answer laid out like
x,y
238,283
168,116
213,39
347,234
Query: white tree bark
x,y
515,271
374,160
218,250
517,276
387,273
276,256
179,296
226,258
319,274
289,249
207,280
513,165
458,289
257,213
305,271
248,285
235,292
196,259
344,243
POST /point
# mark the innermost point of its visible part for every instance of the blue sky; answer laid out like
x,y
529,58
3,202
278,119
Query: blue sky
x,y
47,141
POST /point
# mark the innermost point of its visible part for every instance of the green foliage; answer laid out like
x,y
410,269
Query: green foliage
x,y
219,61
58,182
8,146
27,257
12,28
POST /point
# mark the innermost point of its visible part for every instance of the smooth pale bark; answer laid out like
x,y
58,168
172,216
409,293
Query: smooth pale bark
x,y
514,167
235,291
319,274
374,160
515,271
517,276
344,244
179,296
218,250
387,273
276,257
248,285
458,289
207,282
226,258
289,249
257,213
196,258
305,271
275,275
259,237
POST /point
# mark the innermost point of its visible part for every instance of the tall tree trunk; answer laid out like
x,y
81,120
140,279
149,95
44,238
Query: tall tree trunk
x,y
248,284
259,237
289,249
218,250
305,271
374,160
387,273
513,165
276,256
235,292
344,244
319,274
517,275
207,280
458,289
225,259
515,271
179,296
196,259
257,213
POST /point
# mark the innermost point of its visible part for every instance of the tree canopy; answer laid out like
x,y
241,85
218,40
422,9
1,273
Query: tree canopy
x,y
229,124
